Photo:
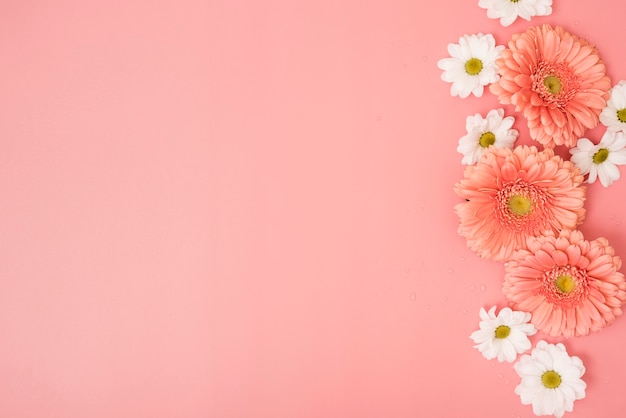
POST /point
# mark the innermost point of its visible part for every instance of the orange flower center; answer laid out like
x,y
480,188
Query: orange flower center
x,y
521,207
565,286
555,83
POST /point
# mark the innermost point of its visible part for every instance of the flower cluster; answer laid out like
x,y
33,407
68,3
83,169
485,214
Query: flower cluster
x,y
522,205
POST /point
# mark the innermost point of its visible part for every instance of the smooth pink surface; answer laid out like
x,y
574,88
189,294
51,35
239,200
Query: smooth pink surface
x,y
244,209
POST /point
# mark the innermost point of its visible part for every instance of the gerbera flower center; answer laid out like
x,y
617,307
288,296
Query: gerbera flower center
x,y
551,379
486,139
553,84
502,331
565,283
564,286
520,205
600,156
473,66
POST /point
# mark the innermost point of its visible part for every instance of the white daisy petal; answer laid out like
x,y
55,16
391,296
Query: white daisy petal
x,y
503,336
508,11
613,116
601,160
494,129
559,384
472,64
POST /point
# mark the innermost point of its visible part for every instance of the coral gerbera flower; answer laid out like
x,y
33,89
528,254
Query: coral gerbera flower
x,y
513,194
571,286
557,80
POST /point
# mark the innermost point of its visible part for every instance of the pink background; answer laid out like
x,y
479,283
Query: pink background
x,y
244,209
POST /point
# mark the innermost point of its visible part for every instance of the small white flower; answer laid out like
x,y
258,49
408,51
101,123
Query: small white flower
x,y
613,116
472,64
503,336
494,130
508,10
551,379
601,160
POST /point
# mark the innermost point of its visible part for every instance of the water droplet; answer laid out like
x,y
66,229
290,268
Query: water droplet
x,y
378,118
493,364
462,258
464,310
506,382
421,263
445,298
413,296
612,217
407,270
450,270
483,288
606,382
427,306
576,22
424,58
500,376
472,287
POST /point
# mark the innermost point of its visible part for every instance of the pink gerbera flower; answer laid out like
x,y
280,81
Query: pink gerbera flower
x,y
513,194
557,80
570,286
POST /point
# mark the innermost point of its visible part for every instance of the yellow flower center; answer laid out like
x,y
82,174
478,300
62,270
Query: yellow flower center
x,y
486,139
551,379
565,283
553,84
520,205
503,331
600,156
473,66
621,115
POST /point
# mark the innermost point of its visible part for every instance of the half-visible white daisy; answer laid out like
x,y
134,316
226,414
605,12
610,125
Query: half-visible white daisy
x,y
494,130
601,160
472,64
503,336
551,379
613,116
509,10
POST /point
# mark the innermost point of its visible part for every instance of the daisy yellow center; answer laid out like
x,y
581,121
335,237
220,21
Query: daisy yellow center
x,y
551,379
600,156
553,84
565,284
502,331
486,139
473,66
514,1
621,115
520,205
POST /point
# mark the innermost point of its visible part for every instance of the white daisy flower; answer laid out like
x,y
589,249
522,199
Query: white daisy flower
x,y
472,65
503,336
509,10
613,116
494,130
601,160
551,379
